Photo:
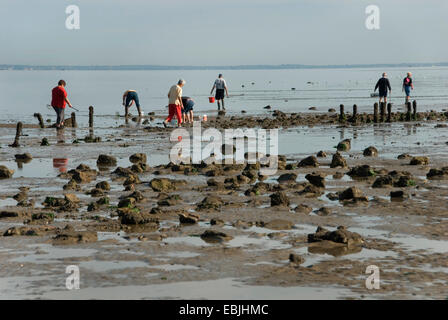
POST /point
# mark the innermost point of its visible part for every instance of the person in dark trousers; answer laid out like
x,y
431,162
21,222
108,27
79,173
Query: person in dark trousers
x,y
187,111
221,87
58,102
407,86
383,85
129,97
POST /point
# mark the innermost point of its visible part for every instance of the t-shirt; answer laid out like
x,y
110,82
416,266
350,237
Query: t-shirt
x,y
174,95
58,95
407,82
383,84
220,83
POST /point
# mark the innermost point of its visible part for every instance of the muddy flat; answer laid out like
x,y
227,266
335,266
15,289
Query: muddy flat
x,y
139,227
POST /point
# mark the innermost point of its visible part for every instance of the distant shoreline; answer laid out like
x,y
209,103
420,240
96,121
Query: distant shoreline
x,y
239,67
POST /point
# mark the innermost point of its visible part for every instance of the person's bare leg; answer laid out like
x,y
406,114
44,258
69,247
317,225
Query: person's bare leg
x,y
126,111
191,116
139,112
222,101
219,105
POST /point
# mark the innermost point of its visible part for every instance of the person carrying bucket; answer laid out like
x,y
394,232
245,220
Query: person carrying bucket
x,y
221,87
129,97
58,102
175,104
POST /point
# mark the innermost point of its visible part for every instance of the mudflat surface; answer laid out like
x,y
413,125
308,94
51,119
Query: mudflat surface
x,y
159,257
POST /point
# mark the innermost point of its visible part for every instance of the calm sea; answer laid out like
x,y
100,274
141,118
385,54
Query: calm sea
x,y
26,92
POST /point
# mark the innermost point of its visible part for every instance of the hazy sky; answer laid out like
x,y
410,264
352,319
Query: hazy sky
x,y
230,32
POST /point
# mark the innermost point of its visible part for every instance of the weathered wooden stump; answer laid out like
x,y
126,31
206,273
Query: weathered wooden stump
x,y
382,111
90,117
16,143
40,119
375,112
389,112
341,113
414,111
408,111
73,117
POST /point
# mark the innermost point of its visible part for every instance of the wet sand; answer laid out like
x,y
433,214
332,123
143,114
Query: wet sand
x,y
162,258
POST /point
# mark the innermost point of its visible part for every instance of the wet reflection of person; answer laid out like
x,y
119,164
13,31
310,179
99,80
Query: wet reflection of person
x,y
60,135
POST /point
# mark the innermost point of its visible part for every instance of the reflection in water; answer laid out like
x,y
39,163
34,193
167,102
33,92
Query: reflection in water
x,y
61,164
60,135
334,250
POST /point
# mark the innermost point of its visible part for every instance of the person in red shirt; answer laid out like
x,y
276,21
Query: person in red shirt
x,y
58,101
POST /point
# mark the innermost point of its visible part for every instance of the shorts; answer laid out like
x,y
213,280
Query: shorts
x,y
132,95
188,106
383,94
407,89
219,94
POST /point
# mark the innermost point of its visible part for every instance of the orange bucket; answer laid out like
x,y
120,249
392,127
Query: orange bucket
x,y
211,99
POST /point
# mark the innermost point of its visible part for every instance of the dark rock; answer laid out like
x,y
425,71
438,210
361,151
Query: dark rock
x,y
106,160
287,178
363,171
138,158
279,198
302,208
103,185
350,193
316,179
338,161
341,235
419,161
296,259
370,152
310,161
5,173
321,154
210,203
189,218
161,185
344,145
212,236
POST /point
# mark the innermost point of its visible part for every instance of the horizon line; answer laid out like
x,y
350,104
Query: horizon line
x,y
223,67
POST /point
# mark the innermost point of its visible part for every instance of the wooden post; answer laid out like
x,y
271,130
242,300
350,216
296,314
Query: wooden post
x,y
91,117
408,112
74,124
389,112
18,134
355,113
414,113
382,111
41,120
341,114
375,112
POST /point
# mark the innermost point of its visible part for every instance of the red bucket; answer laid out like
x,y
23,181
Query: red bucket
x,y
211,99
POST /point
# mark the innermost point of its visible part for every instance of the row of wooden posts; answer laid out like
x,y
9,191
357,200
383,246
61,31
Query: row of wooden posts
x,y
382,117
382,109
73,123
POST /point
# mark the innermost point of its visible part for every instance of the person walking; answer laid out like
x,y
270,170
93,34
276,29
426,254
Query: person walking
x,y
129,97
58,102
221,86
407,86
383,85
187,111
175,105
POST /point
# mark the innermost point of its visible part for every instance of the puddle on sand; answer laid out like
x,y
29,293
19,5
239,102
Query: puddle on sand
x,y
229,288
47,254
104,266
37,168
175,267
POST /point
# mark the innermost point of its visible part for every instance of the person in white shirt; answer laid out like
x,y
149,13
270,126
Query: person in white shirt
x,y
221,86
